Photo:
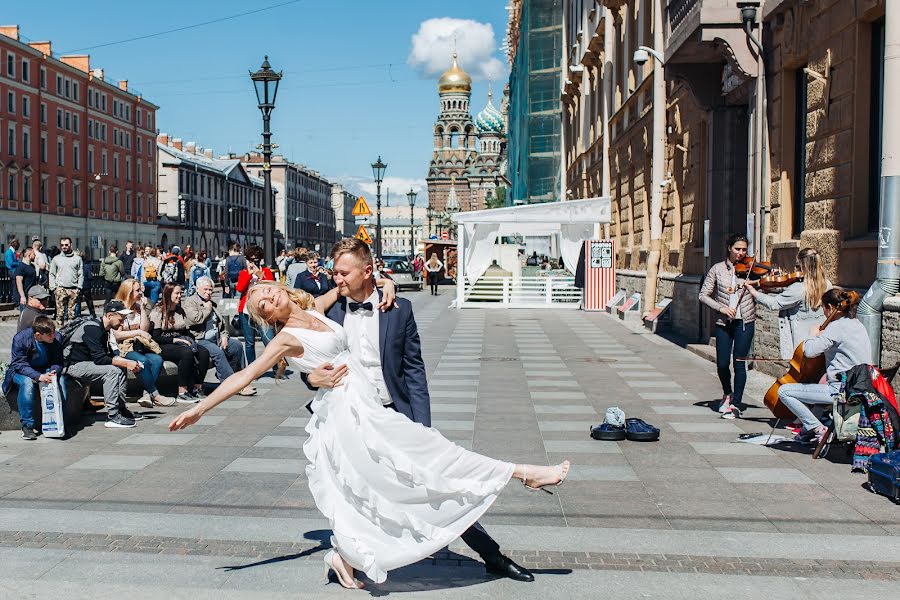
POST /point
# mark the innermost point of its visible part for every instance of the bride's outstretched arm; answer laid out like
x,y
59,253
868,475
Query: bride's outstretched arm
x,y
283,344
388,289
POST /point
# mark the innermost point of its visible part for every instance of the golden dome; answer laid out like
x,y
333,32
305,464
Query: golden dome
x,y
455,80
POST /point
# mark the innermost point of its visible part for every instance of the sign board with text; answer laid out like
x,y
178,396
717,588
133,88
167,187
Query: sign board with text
x,y
600,273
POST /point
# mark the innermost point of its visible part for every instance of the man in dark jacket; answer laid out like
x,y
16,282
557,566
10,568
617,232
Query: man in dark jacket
x,y
89,357
34,308
36,357
312,281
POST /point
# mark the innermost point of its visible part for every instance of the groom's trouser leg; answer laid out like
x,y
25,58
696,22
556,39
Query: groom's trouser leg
x,y
478,540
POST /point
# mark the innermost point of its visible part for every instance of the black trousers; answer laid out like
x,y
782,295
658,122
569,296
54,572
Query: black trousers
x,y
433,279
190,371
476,537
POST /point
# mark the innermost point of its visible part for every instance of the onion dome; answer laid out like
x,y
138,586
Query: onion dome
x,y
489,120
455,80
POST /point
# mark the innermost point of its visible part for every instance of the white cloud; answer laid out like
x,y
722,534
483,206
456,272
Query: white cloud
x,y
398,186
432,48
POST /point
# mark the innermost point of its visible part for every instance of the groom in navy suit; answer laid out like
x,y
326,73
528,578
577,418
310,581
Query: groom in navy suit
x,y
397,368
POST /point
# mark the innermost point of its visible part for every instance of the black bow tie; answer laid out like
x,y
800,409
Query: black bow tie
x,y
355,306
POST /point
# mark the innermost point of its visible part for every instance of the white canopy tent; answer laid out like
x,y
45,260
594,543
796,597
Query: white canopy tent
x,y
573,222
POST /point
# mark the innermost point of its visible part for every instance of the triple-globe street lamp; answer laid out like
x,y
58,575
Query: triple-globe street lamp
x,y
265,82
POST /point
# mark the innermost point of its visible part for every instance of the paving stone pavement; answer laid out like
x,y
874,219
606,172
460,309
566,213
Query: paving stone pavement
x,y
223,511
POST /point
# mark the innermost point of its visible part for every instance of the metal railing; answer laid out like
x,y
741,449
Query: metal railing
x,y
523,291
677,10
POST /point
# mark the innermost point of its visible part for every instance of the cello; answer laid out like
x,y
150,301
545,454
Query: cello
x,y
803,369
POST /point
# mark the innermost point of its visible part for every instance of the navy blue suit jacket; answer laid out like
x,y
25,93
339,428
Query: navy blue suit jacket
x,y
401,358
307,283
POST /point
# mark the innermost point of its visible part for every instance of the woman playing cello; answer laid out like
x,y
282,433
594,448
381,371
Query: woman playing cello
x,y
845,344
734,328
799,304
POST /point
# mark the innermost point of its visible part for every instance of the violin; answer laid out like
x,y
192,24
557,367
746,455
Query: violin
x,y
777,279
751,269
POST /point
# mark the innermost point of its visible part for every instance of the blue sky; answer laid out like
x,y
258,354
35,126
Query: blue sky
x,y
348,94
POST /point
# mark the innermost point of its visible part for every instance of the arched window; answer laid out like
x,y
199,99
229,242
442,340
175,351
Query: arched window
x,y
454,138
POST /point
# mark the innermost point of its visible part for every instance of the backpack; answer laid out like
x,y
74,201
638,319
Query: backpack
x,y
170,271
197,271
72,333
150,272
234,267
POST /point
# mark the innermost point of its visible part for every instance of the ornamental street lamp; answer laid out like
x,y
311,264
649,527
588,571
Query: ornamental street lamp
x,y
378,168
411,196
265,81
429,212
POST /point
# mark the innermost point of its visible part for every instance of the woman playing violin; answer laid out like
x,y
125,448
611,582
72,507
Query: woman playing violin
x,y
721,291
845,344
799,304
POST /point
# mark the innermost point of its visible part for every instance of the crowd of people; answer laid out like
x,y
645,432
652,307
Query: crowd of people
x,y
158,307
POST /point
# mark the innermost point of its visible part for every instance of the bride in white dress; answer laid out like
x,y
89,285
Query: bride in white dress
x,y
393,490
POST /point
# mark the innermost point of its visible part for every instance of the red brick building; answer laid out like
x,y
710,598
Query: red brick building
x,y
77,151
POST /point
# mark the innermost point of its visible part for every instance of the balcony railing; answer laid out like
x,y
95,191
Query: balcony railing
x,y
678,10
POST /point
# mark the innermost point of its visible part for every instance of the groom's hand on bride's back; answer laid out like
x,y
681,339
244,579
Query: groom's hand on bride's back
x,y
327,376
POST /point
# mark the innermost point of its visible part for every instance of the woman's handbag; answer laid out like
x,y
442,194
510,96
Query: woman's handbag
x,y
145,346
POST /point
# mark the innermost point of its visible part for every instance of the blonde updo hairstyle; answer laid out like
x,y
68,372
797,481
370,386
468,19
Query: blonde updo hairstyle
x,y
298,297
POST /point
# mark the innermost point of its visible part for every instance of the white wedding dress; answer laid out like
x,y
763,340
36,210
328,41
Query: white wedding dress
x,y
393,490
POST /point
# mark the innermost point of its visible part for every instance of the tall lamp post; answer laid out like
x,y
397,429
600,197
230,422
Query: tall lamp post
x,y
411,196
429,212
378,168
265,81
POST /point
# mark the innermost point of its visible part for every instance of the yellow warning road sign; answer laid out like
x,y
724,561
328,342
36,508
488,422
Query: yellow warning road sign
x,y
362,234
361,209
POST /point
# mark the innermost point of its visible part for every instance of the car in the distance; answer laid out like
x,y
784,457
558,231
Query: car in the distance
x,y
403,274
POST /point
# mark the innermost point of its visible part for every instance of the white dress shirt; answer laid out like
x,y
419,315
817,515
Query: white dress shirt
x,y
362,336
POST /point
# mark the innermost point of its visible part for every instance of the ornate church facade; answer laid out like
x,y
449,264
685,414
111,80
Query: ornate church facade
x,y
469,159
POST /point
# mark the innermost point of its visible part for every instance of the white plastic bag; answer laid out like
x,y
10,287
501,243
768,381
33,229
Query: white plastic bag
x,y
52,424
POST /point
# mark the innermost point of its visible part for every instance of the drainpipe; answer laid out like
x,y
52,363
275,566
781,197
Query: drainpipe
x,y
659,161
887,275
606,105
748,16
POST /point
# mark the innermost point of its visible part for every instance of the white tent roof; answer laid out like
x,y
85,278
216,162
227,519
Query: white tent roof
x,y
590,210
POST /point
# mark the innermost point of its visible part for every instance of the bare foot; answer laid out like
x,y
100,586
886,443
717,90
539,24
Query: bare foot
x,y
540,476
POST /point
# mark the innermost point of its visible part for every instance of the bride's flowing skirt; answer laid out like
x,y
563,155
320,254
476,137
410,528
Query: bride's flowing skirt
x,y
394,491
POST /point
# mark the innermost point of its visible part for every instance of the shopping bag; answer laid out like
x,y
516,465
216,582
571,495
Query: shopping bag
x,y
52,424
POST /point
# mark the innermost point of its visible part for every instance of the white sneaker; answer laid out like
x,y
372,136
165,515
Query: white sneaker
x,y
146,401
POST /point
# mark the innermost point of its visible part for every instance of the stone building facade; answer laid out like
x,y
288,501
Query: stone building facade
x,y
783,144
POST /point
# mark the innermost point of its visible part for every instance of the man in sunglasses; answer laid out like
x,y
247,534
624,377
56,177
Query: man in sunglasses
x,y
66,280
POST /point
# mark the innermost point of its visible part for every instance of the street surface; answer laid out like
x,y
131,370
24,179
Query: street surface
x,y
222,511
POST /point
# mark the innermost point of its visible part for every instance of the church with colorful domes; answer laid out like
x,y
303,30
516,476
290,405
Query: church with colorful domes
x,y
469,159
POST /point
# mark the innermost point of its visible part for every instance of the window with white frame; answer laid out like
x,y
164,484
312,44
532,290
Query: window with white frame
x,y
75,122
60,153
127,169
60,194
26,76
76,158
59,85
43,78
26,106
90,158
26,188
76,195
26,143
116,166
45,196
43,113
11,102
10,65
43,147
11,140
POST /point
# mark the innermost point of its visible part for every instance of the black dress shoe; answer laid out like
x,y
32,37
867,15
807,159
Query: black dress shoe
x,y
504,567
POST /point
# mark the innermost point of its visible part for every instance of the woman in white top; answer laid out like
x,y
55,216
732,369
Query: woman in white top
x,y
433,266
799,305
845,344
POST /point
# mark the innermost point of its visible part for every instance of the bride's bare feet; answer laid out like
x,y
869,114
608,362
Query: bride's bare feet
x,y
538,476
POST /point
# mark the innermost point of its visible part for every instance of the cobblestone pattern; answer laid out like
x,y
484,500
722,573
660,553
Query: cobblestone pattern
x,y
665,563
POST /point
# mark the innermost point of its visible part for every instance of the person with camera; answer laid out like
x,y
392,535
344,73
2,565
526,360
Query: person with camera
x,y
169,328
136,343
313,281
92,358
208,329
